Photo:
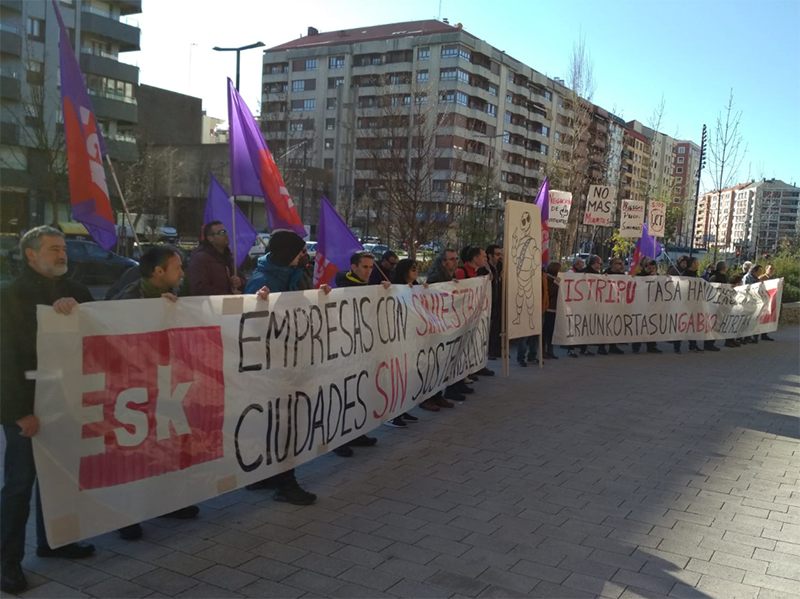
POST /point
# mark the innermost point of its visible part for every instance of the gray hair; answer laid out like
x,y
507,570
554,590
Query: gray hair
x,y
33,238
577,261
746,267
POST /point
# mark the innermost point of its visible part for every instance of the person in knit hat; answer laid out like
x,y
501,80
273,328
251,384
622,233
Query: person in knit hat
x,y
281,269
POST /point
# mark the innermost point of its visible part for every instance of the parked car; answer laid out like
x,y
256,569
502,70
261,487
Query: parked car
x,y
311,248
376,249
92,265
259,249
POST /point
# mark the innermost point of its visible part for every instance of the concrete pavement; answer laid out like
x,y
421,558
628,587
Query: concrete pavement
x,y
620,476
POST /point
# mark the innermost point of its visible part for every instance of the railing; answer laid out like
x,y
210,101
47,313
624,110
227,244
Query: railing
x,y
111,95
9,28
125,137
9,72
109,15
97,52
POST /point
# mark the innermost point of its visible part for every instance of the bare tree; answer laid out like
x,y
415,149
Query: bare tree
x,y
569,168
726,153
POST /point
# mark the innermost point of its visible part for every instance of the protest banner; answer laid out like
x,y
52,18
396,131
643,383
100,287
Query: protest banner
x,y
657,218
560,203
523,270
594,309
600,206
148,406
632,218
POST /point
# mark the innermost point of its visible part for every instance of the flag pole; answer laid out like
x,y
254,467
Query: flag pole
x,y
233,231
124,203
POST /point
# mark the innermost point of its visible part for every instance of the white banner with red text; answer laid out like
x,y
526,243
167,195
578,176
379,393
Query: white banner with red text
x,y
148,406
622,309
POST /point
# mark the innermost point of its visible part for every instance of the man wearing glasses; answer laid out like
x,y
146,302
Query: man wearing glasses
x,y
211,264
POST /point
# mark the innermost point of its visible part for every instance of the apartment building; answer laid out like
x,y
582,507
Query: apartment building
x,y
765,214
661,147
635,165
714,224
30,100
495,114
686,162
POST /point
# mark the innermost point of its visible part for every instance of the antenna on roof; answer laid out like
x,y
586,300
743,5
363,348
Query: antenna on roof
x,y
440,11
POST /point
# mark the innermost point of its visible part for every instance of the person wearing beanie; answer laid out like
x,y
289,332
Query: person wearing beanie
x,y
281,269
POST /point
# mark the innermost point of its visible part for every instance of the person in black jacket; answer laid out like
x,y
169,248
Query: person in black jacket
x,y
648,269
41,281
616,267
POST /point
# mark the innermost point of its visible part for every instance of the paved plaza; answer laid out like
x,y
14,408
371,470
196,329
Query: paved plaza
x,y
620,476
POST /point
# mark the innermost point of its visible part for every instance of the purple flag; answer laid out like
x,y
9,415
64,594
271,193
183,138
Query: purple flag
x,y
543,201
88,190
253,169
335,244
646,246
218,207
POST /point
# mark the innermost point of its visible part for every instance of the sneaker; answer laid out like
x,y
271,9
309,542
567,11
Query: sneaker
x,y
442,402
429,404
295,495
185,513
410,418
131,533
551,356
602,351
533,359
13,579
635,350
451,393
485,372
396,422
696,349
71,551
730,343
343,451
469,380
572,354
654,350
766,337
522,363
363,441
615,350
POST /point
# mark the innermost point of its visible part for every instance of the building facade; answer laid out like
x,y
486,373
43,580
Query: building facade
x,y
765,216
33,182
684,174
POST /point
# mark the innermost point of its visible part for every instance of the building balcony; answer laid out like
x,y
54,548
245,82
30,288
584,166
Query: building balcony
x,y
114,106
105,25
122,147
10,40
9,133
9,87
108,66
130,7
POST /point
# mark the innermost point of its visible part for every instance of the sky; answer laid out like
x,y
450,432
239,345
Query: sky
x,y
691,53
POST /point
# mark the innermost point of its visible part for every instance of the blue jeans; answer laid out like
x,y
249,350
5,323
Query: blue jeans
x,y
529,345
15,498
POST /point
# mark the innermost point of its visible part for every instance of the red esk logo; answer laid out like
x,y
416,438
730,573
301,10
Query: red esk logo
x,y
162,404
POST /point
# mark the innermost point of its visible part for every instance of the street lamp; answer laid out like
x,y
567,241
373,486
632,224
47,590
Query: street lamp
x,y
238,52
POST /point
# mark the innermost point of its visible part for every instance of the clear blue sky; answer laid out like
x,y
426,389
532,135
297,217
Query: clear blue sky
x,y
692,52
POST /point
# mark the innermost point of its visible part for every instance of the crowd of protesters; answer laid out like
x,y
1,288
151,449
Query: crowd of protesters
x,y
211,271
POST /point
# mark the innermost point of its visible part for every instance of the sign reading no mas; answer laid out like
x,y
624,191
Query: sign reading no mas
x,y
600,205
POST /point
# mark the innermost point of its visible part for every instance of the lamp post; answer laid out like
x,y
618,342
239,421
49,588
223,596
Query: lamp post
x,y
238,53
700,165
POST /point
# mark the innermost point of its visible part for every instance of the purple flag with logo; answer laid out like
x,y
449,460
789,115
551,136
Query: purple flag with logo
x,y
646,246
335,244
253,169
543,201
88,190
218,207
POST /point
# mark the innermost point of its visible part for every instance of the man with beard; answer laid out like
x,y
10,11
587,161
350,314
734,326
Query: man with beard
x,y
41,281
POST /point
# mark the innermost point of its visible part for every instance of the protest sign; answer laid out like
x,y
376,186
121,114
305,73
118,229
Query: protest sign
x,y
632,218
622,309
560,203
657,219
523,269
148,406
600,206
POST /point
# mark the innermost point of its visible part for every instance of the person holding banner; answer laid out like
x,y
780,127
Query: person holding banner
x,y
647,268
281,269
549,324
474,259
211,264
691,271
361,264
384,271
615,268
494,263
40,281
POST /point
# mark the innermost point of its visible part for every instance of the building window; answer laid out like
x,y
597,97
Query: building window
x,y
681,150
558,136
309,104
296,126
447,97
299,85
449,51
463,76
447,74
548,95
491,109
329,143
334,81
543,149
336,62
465,54
328,164
679,169
35,28
492,90
311,64
507,117
506,137
331,104
679,179
680,159
330,124
509,98
461,98
423,54
511,76
422,76
545,130
421,99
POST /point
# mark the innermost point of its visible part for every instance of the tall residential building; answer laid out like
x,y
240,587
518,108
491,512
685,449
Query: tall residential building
x,y
765,214
31,102
661,148
495,114
714,224
685,165
635,165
